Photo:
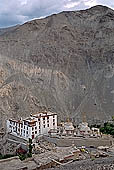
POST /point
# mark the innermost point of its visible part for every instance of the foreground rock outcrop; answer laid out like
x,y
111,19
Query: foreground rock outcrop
x,y
64,62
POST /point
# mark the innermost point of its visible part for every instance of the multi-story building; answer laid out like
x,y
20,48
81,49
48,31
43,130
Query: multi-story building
x,y
36,124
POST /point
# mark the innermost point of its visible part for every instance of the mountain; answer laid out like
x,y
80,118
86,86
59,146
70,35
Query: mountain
x,y
64,63
8,29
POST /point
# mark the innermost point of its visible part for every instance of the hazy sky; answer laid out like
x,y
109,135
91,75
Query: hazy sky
x,y
14,12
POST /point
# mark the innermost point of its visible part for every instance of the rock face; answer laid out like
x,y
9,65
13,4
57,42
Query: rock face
x,y
64,62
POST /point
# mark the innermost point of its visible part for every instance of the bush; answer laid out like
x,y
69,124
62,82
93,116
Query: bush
x,y
29,155
22,157
108,128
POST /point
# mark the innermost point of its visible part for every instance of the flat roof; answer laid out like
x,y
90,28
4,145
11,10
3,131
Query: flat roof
x,y
43,114
29,120
17,121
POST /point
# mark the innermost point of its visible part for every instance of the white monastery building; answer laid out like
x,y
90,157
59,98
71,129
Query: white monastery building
x,y
37,124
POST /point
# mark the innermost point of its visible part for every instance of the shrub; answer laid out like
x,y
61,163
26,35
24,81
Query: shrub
x,y
22,157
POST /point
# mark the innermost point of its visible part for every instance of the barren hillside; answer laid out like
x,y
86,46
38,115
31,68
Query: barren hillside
x,y
64,62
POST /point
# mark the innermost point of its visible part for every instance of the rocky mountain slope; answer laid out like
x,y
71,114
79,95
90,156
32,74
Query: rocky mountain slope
x,y
64,63
8,29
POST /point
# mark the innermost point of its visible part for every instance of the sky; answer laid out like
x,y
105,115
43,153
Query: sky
x,y
13,12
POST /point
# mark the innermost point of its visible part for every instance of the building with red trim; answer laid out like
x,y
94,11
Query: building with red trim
x,y
37,124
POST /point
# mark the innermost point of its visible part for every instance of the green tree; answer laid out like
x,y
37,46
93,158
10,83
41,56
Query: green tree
x,y
112,118
30,148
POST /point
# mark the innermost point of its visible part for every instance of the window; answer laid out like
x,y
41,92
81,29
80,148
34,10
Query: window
x,y
39,131
53,122
24,127
47,125
44,126
27,127
39,127
24,131
32,128
39,119
35,127
53,116
43,118
27,132
35,132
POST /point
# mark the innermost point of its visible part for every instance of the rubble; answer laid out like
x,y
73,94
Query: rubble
x,y
104,148
47,154
41,146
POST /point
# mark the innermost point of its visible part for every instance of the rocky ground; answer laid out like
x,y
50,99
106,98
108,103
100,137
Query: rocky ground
x,y
7,146
46,154
98,164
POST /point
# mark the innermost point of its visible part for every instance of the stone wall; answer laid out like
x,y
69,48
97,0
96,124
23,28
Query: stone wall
x,y
16,138
79,141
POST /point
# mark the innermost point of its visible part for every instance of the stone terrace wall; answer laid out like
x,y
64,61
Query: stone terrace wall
x,y
19,139
80,141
